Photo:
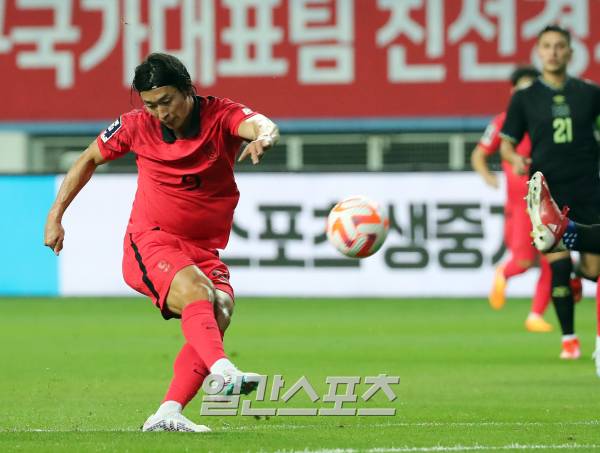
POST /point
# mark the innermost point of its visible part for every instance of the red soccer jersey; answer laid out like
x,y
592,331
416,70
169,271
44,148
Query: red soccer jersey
x,y
516,185
186,186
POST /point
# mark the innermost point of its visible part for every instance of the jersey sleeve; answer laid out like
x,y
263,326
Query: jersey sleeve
x,y
233,113
597,105
490,140
116,140
515,124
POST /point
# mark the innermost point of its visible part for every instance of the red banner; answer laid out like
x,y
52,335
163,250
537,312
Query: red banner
x,y
74,59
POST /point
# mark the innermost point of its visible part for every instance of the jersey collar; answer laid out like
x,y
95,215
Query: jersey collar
x,y
554,87
193,129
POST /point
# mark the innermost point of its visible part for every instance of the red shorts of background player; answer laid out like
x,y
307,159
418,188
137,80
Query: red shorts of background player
x,y
517,231
152,258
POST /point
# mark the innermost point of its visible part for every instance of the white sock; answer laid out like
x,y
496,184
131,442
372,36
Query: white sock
x,y
533,315
598,343
569,337
221,365
168,407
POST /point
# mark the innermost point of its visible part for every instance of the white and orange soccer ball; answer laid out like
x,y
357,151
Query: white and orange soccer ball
x,y
357,227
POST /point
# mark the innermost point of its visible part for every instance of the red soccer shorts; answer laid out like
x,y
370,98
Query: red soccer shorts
x,y
517,231
152,258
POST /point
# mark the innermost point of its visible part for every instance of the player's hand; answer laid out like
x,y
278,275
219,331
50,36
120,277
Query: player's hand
x,y
54,235
521,165
256,149
492,180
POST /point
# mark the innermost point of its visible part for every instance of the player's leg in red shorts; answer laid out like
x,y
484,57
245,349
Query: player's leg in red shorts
x,y
516,264
150,262
525,255
164,268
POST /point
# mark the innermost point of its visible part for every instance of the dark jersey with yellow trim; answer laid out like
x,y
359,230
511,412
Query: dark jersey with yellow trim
x,y
561,123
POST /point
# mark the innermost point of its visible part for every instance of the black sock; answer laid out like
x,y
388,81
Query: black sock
x,y
587,238
561,295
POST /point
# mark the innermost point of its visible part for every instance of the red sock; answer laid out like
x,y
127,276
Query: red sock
x,y
513,268
201,331
189,372
598,307
543,289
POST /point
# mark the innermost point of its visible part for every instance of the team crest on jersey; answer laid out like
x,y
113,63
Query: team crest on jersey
x,y
246,111
111,130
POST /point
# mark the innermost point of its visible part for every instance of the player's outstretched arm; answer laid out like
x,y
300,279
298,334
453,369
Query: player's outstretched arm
x,y
261,132
509,153
77,177
479,164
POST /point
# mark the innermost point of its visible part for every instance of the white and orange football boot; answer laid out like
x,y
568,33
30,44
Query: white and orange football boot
x,y
497,296
570,349
537,324
549,223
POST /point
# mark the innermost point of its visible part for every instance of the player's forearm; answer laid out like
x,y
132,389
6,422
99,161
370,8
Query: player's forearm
x,y
76,178
508,152
479,163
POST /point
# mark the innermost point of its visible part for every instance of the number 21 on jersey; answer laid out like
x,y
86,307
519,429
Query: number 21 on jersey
x,y
563,130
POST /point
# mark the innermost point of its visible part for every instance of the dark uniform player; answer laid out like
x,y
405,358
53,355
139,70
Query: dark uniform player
x,y
559,114
553,231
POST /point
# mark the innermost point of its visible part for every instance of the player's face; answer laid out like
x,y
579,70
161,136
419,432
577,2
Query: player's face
x,y
169,105
554,52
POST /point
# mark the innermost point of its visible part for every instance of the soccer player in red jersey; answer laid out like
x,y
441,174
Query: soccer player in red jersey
x,y
185,147
517,226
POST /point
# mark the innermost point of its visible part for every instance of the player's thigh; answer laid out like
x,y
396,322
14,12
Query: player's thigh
x,y
521,245
590,265
508,226
556,256
189,285
151,259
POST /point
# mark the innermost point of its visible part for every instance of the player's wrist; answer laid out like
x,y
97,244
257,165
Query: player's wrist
x,y
55,214
268,136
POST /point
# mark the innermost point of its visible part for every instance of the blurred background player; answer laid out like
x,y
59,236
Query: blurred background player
x,y
185,148
553,231
559,113
517,226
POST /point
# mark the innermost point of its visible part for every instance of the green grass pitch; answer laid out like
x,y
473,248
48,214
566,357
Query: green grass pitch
x,y
83,374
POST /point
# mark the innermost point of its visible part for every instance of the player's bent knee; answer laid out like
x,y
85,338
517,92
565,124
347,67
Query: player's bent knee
x,y
223,309
525,263
186,289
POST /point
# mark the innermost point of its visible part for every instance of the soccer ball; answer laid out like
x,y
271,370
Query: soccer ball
x,y
357,227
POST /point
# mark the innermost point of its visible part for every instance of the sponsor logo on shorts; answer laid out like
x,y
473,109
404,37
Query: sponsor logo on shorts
x,y
220,276
164,266
111,130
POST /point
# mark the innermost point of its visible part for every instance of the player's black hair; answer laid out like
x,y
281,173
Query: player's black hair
x,y
159,70
558,29
523,71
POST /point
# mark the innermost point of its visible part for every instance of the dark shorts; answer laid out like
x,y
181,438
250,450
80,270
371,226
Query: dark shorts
x,y
152,258
583,202
587,214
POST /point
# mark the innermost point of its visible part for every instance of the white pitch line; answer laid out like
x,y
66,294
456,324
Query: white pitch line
x,y
268,426
265,425
441,448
